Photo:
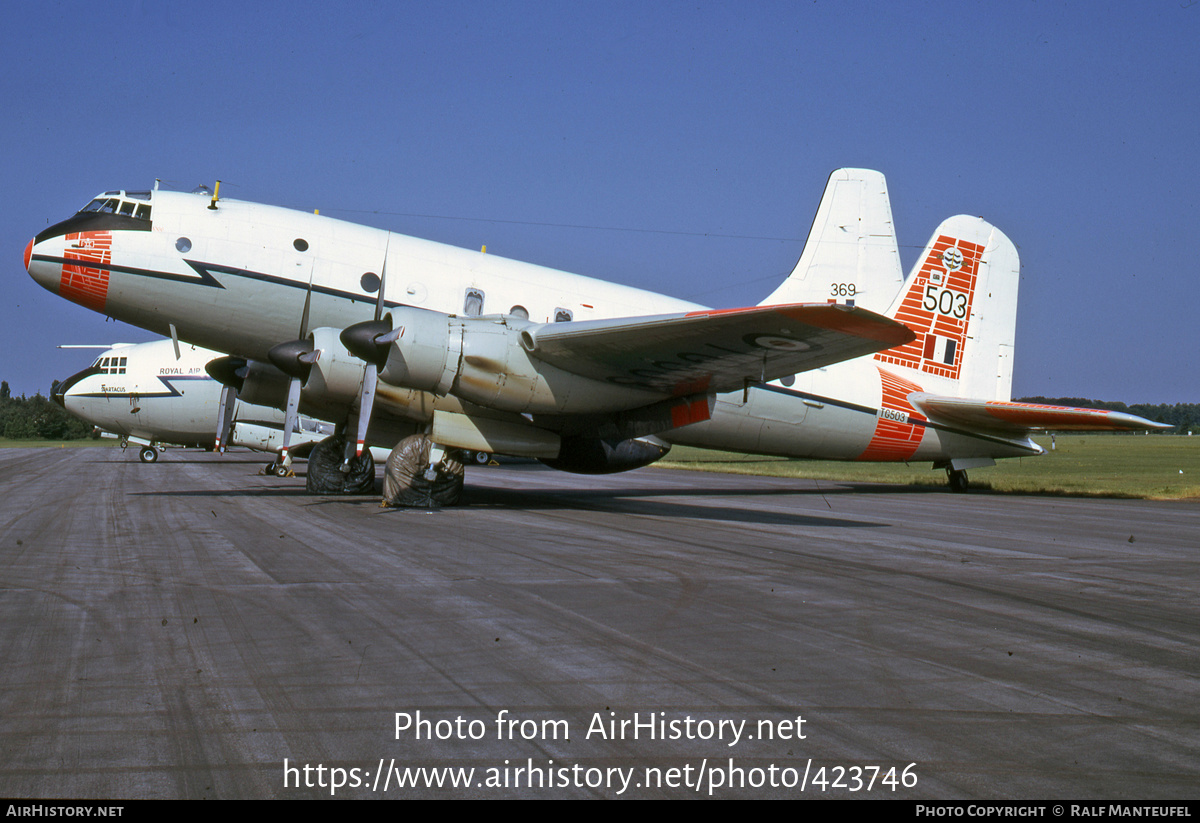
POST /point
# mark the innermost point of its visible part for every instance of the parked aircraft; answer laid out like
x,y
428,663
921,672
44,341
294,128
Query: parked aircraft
x,y
394,336
148,396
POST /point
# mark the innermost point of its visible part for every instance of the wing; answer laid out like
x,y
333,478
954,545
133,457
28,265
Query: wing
x,y
1008,417
713,351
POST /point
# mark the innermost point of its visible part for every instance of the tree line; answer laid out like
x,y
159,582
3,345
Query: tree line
x,y
1184,416
37,418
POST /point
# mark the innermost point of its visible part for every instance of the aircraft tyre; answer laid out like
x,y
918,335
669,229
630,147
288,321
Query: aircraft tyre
x,y
325,475
148,454
482,458
958,480
404,481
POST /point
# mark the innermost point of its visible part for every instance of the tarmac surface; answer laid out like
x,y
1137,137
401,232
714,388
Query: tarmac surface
x,y
190,629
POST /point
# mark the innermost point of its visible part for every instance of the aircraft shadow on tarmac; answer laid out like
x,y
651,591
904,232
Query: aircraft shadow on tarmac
x,y
629,502
611,501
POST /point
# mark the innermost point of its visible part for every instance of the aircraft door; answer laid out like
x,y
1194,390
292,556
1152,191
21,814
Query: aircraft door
x,y
782,412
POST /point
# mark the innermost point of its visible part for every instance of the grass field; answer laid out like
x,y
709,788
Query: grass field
x,y
1144,466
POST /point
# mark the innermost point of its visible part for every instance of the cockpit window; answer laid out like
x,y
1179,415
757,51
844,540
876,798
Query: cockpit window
x,y
102,204
134,204
110,365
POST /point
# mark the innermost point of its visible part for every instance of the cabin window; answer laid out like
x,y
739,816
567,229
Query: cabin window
x,y
369,282
473,304
183,244
300,244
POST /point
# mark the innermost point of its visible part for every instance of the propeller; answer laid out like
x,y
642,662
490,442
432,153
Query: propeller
x,y
295,359
230,372
369,341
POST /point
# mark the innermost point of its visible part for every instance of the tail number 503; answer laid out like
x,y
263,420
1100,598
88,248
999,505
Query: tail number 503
x,y
945,301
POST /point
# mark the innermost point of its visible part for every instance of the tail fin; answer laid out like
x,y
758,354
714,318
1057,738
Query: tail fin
x,y
850,255
961,300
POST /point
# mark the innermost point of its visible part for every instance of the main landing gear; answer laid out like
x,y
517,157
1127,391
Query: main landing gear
x,y
330,473
421,474
958,480
279,468
148,454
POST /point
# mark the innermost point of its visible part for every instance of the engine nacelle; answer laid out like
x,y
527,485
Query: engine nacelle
x,y
336,375
425,353
263,385
485,361
593,455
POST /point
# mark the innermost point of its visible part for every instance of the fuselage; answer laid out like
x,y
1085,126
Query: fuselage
x,y
241,278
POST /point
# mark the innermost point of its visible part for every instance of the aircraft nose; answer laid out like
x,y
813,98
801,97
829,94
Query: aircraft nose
x,y
45,274
63,390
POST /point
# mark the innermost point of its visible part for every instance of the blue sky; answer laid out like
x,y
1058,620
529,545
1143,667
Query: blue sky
x,y
680,147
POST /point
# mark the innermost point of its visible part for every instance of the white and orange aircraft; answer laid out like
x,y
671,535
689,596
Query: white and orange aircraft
x,y
393,336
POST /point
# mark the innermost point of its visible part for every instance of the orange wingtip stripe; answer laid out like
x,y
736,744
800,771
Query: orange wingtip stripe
x,y
839,318
1033,414
834,317
718,312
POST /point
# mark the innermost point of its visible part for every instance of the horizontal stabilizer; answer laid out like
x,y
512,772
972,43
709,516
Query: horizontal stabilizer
x,y
713,351
1008,417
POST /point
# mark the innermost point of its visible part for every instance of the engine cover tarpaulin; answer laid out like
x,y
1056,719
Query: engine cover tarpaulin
x,y
325,474
404,483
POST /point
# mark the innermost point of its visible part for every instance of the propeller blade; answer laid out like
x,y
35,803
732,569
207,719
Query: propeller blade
x,y
366,400
291,415
225,416
307,309
379,301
